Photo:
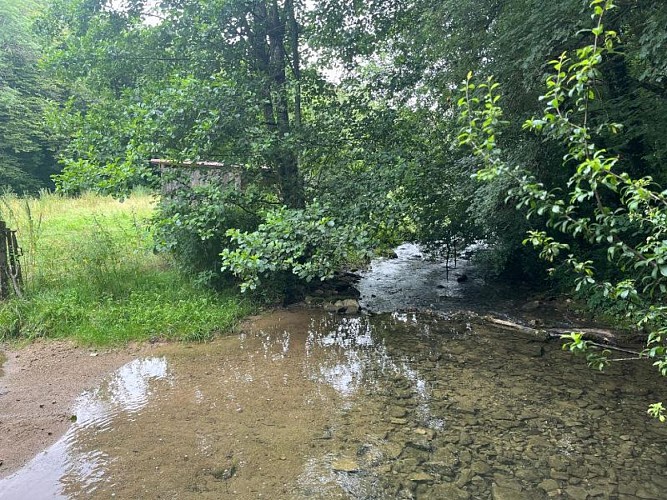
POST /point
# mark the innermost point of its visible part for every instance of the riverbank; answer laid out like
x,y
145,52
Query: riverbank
x,y
91,275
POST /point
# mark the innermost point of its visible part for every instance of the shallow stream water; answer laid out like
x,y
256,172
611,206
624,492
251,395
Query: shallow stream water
x,y
308,404
413,281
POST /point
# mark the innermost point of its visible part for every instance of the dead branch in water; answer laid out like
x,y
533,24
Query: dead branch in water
x,y
596,336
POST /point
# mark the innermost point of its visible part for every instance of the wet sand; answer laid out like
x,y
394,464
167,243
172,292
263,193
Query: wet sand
x,y
38,388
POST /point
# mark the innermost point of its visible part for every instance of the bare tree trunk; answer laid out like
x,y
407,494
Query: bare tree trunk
x,y
296,59
258,36
291,185
267,38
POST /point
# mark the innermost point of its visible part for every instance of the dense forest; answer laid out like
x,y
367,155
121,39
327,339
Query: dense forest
x,y
27,145
348,127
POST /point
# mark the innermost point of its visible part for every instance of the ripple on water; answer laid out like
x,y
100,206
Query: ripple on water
x,y
126,392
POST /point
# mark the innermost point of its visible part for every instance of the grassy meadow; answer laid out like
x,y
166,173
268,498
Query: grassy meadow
x,y
91,275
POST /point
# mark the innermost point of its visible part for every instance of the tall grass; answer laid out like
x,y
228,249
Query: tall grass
x,y
91,274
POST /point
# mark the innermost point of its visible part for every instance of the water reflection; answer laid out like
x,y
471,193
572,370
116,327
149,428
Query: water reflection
x,y
312,405
126,391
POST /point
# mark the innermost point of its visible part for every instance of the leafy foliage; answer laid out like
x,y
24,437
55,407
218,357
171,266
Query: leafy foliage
x,y
625,215
191,224
178,89
238,94
26,157
308,243
233,81
425,50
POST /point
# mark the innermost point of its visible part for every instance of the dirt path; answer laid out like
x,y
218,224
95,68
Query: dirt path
x,y
38,386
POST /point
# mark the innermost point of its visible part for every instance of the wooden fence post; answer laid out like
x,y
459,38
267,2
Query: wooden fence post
x,y
10,266
14,252
4,263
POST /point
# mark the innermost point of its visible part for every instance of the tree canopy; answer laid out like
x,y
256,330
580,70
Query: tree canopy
x,y
336,110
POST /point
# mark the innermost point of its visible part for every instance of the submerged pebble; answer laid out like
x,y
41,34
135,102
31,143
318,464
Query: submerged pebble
x,y
341,406
345,465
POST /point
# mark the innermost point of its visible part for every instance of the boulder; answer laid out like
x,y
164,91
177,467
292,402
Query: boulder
x,y
347,306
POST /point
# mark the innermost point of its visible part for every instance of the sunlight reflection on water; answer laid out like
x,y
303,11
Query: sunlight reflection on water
x,y
127,391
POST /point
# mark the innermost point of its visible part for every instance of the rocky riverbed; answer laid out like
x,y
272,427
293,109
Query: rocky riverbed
x,y
306,403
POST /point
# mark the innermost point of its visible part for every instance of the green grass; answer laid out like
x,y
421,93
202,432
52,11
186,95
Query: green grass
x,y
91,275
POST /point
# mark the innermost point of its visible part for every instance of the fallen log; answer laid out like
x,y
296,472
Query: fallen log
x,y
596,334
598,337
542,334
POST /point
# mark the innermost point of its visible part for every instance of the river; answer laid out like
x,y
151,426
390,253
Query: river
x,y
397,404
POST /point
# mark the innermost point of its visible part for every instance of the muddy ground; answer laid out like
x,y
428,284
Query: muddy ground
x,y
38,386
